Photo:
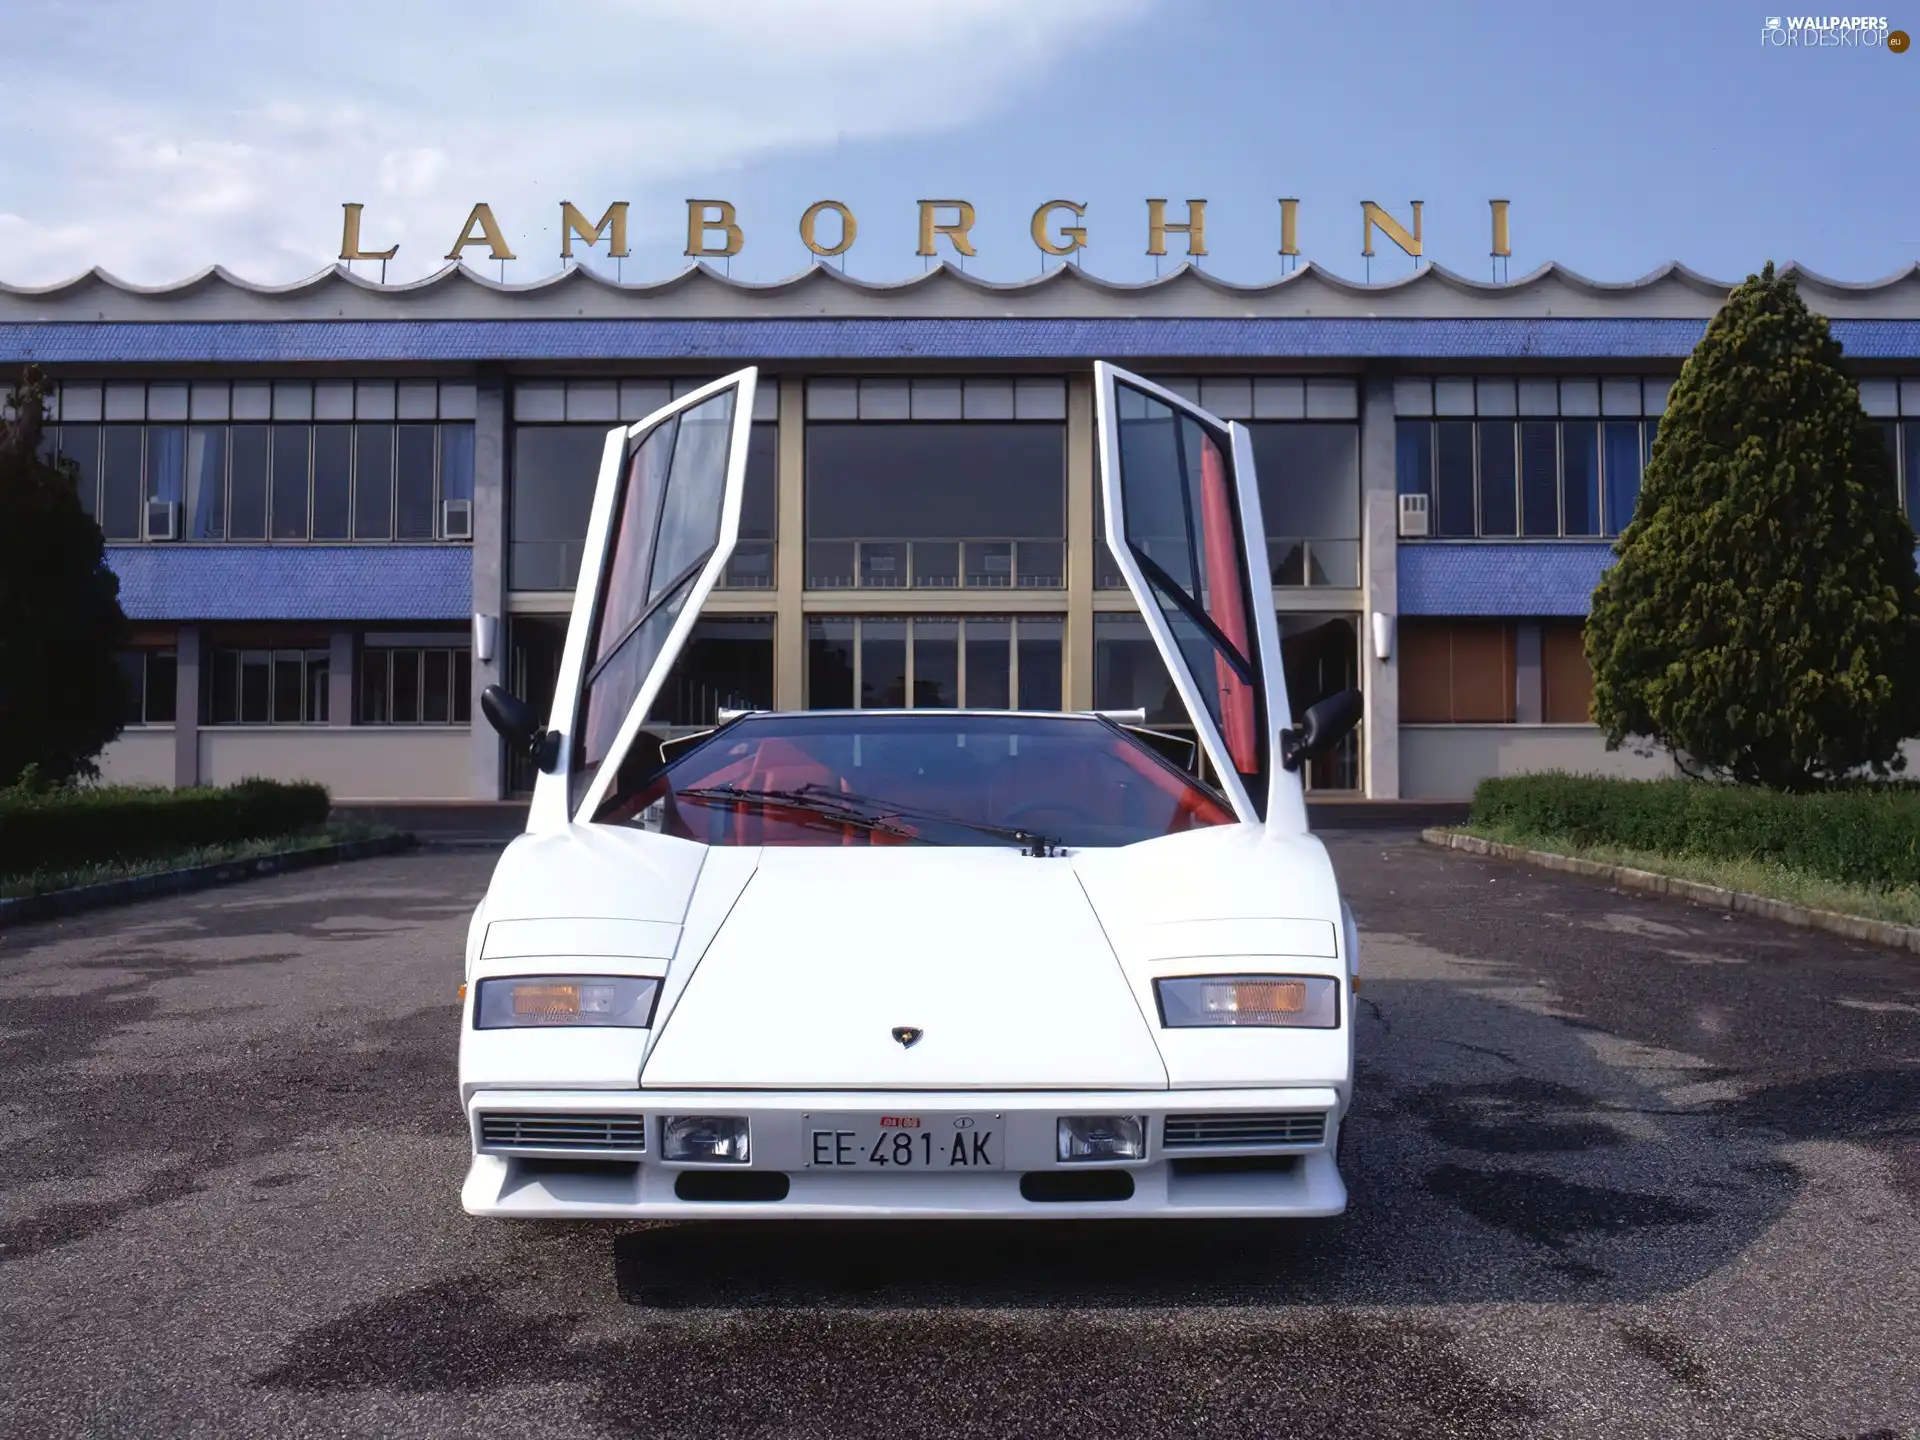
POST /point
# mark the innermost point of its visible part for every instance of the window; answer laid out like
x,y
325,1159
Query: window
x,y
1566,680
1537,458
148,686
559,433
266,686
1453,506
254,482
1457,672
406,684
1320,655
1128,673
1310,499
550,496
976,662
727,665
1309,471
936,484
1910,455
751,567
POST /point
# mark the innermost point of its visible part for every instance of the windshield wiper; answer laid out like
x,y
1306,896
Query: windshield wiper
x,y
813,802
1031,842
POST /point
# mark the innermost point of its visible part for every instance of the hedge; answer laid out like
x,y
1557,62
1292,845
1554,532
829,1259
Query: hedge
x,y
67,827
1862,835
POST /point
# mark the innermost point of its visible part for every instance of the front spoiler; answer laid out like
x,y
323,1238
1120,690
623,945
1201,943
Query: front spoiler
x,y
643,1188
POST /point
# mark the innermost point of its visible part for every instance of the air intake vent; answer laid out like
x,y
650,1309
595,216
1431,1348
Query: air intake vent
x,y
589,1133
1273,1127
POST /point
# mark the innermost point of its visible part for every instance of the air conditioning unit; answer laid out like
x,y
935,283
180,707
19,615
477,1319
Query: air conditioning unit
x,y
456,520
1414,511
163,519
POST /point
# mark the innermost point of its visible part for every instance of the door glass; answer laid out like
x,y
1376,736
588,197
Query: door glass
x,y
611,691
690,522
1180,521
632,545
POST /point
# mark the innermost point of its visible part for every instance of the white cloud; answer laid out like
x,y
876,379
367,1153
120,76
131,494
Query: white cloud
x,y
161,138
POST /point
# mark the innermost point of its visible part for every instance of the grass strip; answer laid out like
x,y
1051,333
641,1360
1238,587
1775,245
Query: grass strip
x,y
41,882
1767,878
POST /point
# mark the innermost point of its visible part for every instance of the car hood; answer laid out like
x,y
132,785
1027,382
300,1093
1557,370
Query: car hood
x,y
998,959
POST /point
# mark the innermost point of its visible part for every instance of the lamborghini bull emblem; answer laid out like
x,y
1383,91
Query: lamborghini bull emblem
x,y
907,1035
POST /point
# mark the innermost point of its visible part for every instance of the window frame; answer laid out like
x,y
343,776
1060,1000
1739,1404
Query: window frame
x,y
212,411
1013,621
460,697
313,659
1053,573
147,655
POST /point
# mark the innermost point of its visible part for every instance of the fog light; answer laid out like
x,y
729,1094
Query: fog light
x,y
717,1139
1103,1137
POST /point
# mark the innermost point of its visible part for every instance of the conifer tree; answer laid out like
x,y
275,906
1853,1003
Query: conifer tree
x,y
1763,617
61,693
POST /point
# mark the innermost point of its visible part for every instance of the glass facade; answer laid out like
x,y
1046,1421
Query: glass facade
x,y
341,461
951,494
931,483
1525,479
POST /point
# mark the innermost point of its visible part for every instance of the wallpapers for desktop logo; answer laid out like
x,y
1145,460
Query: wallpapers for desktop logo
x,y
1829,31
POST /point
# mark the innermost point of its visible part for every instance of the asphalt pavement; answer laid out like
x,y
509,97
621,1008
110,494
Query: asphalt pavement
x,y
1620,1167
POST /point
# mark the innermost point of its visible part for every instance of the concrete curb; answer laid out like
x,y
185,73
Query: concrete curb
x,y
1854,927
57,904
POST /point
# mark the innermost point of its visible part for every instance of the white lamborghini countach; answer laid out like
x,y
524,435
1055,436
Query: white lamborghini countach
x,y
725,974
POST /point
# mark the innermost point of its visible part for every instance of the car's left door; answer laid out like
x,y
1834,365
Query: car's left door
x,y
1185,530
666,514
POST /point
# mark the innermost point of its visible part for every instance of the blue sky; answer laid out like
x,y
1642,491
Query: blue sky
x,y
1624,136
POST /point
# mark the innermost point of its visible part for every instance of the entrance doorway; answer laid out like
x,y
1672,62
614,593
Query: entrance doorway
x,y
1321,654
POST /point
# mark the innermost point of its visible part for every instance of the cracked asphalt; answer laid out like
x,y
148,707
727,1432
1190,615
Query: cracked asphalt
x,y
1620,1167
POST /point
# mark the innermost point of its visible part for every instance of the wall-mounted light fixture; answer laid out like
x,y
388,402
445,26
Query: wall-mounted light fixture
x,y
486,630
1382,636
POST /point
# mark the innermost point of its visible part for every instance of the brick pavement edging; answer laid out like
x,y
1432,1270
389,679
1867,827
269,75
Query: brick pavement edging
x,y
56,904
1854,927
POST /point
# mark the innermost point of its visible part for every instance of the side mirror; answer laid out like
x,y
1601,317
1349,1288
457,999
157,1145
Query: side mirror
x,y
1323,726
519,726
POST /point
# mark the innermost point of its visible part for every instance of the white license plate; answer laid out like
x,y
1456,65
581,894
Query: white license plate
x,y
903,1142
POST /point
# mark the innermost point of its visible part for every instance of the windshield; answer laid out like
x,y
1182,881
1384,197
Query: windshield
x,y
925,778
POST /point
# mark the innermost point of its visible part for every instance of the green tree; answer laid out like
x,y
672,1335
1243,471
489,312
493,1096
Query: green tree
x,y
61,693
1763,617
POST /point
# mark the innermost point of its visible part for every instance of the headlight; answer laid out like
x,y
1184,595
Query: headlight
x,y
1103,1137
1310,1002
721,1138
545,1000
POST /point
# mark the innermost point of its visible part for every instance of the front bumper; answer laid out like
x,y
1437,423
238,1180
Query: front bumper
x,y
1272,1179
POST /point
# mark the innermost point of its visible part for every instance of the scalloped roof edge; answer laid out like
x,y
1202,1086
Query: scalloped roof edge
x,y
1186,274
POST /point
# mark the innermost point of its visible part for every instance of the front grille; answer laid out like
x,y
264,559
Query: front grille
x,y
1273,1127
525,1131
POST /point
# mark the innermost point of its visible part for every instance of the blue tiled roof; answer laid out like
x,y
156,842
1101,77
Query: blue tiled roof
x,y
294,582
259,342
1484,577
